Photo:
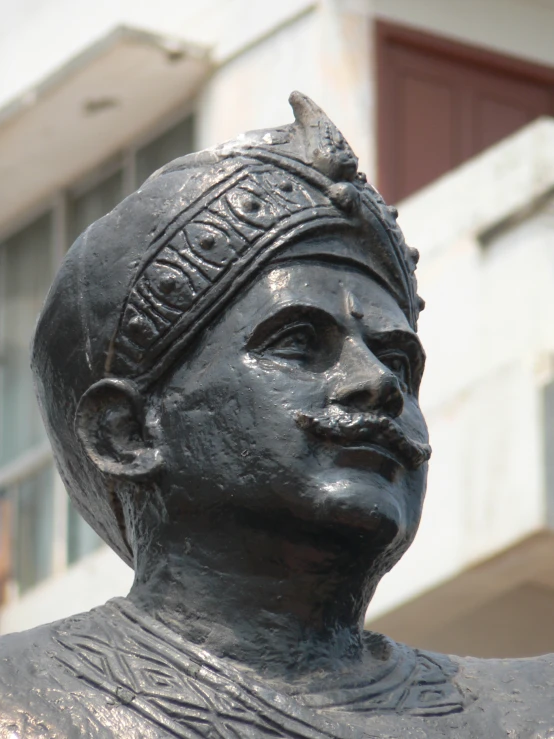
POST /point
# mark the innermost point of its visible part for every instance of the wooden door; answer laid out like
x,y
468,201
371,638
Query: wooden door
x,y
440,103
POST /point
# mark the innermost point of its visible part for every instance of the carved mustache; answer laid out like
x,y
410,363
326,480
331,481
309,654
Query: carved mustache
x,y
338,425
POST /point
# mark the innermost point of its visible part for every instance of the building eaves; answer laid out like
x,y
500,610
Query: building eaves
x,y
91,108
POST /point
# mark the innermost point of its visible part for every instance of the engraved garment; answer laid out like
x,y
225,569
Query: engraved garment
x,y
116,672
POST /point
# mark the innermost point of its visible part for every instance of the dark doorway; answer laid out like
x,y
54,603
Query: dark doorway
x,y
441,102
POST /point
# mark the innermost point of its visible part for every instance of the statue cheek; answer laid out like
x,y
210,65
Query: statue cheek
x,y
280,390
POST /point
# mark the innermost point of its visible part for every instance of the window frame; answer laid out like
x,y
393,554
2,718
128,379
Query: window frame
x,y
384,35
57,204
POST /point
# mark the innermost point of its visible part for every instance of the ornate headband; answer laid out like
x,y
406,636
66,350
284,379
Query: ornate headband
x,y
259,193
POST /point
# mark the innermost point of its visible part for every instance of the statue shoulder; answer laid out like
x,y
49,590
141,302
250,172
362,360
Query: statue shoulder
x,y
521,690
22,653
24,681
39,698
523,674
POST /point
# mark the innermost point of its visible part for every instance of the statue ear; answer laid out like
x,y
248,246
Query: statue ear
x,y
110,423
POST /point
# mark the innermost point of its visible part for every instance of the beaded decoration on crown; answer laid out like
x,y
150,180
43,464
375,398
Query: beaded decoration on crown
x,y
261,191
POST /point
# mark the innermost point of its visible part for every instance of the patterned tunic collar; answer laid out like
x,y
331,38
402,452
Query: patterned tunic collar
x,y
184,691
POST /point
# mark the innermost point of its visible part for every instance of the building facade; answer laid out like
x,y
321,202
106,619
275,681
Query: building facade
x,y
447,105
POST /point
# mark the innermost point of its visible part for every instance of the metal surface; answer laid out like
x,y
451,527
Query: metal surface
x,y
229,367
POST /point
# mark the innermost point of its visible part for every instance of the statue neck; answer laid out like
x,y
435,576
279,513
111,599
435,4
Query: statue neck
x,y
277,605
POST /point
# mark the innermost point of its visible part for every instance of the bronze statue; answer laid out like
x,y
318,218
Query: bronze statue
x,y
228,368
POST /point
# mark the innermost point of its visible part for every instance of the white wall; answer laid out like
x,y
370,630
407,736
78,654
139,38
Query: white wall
x,y
37,37
488,330
94,580
519,27
261,52
329,56
324,54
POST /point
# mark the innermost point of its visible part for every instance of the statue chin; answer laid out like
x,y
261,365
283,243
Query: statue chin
x,y
364,502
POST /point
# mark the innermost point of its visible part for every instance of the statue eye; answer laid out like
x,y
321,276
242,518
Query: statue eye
x,y
399,365
294,342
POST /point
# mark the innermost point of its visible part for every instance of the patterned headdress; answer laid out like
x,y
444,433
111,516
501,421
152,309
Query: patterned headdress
x,y
141,283
244,202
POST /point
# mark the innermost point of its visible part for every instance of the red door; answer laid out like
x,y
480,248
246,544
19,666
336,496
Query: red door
x,y
441,103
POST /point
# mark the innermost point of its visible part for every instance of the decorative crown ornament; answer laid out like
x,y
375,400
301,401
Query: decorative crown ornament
x,y
252,197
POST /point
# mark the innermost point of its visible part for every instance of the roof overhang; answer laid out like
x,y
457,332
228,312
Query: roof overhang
x,y
90,109
501,607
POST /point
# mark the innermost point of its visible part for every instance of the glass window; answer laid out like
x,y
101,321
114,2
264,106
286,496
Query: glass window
x,y
88,207
27,508
81,539
34,529
176,142
29,500
25,275
6,548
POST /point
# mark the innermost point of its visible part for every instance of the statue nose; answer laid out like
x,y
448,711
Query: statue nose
x,y
364,384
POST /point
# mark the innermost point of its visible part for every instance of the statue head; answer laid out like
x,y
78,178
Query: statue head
x,y
236,341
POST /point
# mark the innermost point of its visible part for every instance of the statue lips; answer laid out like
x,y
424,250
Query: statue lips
x,y
370,456
367,439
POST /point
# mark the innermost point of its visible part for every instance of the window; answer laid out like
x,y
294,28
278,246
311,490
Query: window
x,y
173,143
88,206
441,102
26,505
40,531
25,269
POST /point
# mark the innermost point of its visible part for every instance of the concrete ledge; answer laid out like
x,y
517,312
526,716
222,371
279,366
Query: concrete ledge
x,y
500,608
89,109
476,198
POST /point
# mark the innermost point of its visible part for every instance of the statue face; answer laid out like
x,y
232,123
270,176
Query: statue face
x,y
301,400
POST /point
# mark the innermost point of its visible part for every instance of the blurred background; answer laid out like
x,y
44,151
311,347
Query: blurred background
x,y
448,105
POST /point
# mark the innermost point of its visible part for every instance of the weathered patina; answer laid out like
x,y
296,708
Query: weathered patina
x,y
228,367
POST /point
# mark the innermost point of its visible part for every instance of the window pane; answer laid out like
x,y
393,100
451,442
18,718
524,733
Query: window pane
x,y
94,203
6,548
81,539
25,276
174,143
34,529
